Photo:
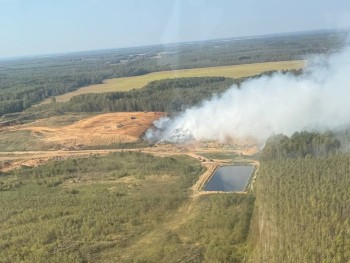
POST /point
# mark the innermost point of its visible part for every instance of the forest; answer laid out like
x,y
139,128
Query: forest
x,y
302,208
27,81
300,145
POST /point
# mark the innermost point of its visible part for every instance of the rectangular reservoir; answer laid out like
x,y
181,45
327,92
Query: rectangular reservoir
x,y
231,178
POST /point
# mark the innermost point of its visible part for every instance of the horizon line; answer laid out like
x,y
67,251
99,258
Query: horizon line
x,y
76,52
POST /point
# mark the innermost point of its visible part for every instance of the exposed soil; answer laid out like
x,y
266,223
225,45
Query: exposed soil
x,y
102,129
105,129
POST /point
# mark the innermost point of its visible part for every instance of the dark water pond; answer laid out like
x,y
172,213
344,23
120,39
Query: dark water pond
x,y
230,178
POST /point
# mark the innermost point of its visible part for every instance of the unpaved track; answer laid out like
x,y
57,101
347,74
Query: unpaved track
x,y
106,129
211,168
16,159
35,158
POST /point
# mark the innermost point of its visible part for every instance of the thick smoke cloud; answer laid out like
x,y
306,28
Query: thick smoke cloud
x,y
281,103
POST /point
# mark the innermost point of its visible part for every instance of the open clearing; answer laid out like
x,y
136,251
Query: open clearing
x,y
103,129
66,136
235,71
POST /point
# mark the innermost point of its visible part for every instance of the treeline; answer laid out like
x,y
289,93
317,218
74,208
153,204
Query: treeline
x,y
170,95
27,82
302,206
19,90
300,145
254,50
24,82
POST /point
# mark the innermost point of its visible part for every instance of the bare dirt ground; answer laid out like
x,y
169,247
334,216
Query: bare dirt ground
x,y
102,129
110,128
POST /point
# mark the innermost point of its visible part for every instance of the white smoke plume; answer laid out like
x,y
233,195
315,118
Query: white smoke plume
x,y
281,103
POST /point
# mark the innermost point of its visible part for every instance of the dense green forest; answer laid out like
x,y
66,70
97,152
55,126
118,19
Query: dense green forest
x,y
302,201
123,207
27,81
300,145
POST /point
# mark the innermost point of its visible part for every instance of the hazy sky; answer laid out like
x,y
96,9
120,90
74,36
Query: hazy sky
x,y
29,27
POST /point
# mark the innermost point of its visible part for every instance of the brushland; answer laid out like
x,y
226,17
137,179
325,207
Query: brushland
x,y
123,207
136,82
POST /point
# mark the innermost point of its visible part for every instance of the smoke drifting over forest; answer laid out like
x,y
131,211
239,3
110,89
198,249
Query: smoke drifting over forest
x,y
282,103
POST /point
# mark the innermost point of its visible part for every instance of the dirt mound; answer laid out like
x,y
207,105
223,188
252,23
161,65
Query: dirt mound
x,y
102,129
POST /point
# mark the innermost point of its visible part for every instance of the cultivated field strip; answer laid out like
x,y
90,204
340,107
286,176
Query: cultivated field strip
x,y
136,82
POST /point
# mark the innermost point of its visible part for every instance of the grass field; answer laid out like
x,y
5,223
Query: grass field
x,y
236,71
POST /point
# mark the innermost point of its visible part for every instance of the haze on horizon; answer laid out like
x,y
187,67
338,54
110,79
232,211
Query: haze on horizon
x,y
37,27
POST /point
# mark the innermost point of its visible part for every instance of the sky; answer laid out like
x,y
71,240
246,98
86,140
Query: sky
x,y
35,27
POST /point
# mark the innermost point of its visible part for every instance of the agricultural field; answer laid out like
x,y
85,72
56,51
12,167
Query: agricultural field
x,y
136,82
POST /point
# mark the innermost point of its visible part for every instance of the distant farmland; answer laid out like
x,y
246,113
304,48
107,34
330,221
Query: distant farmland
x,y
128,83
